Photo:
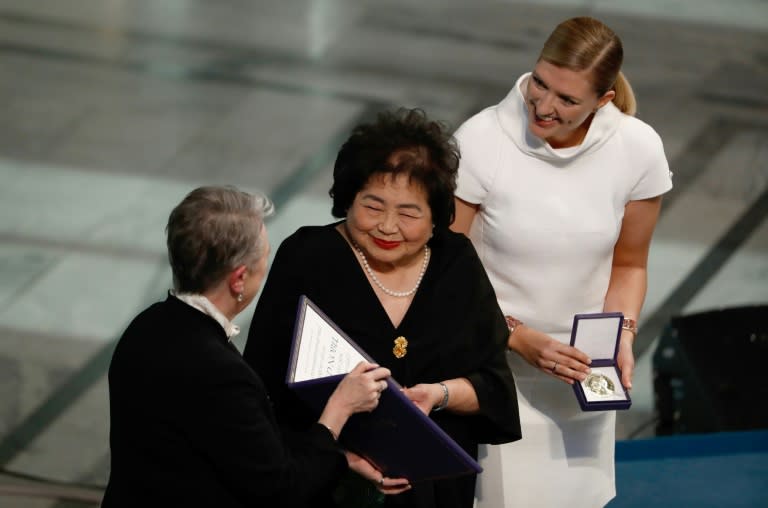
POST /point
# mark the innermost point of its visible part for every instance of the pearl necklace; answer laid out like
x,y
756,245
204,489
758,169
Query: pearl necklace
x,y
397,294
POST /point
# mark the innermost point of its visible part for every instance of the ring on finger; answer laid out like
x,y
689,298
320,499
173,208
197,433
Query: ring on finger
x,y
554,368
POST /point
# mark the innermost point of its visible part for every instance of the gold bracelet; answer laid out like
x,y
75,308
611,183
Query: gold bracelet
x,y
513,323
630,325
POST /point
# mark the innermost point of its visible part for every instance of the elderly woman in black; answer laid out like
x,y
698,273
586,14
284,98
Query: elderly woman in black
x,y
409,291
191,423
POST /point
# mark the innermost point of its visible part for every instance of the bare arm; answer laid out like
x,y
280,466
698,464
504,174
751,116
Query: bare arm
x,y
537,348
465,214
629,275
551,356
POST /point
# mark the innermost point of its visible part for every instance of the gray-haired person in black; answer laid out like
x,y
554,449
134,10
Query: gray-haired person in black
x,y
191,423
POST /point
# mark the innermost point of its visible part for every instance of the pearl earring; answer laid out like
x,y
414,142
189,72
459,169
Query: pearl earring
x,y
240,297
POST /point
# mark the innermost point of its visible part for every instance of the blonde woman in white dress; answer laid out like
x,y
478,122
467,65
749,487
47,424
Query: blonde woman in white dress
x,y
560,189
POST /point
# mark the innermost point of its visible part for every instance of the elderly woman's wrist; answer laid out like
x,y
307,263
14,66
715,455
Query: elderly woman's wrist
x,y
442,401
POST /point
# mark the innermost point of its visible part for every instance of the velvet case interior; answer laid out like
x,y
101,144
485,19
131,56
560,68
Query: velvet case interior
x,y
597,335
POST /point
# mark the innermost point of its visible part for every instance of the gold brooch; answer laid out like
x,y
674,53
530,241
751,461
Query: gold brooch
x,y
401,347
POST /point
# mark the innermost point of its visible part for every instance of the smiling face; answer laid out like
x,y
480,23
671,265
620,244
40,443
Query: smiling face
x,y
561,103
391,221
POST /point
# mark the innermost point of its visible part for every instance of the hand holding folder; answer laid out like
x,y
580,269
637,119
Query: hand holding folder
x,y
396,437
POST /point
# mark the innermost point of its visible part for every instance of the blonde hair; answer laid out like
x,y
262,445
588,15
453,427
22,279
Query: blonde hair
x,y
585,43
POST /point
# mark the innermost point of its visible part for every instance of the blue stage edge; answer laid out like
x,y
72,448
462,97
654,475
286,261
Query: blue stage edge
x,y
723,470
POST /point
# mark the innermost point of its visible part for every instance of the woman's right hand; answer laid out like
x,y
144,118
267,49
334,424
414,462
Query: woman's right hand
x,y
383,483
551,356
358,391
361,389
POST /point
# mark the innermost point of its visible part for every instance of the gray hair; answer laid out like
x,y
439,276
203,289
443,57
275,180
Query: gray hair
x,y
213,231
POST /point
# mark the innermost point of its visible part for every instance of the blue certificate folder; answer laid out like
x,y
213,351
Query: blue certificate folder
x,y
396,437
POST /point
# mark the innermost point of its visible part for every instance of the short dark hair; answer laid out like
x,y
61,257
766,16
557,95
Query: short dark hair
x,y
211,232
400,142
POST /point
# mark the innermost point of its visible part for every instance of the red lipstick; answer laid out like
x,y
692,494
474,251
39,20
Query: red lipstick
x,y
384,244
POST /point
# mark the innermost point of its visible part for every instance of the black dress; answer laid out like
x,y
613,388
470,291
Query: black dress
x,y
454,328
191,423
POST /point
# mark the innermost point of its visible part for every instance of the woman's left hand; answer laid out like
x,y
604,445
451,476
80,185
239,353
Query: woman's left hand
x,y
626,359
425,396
384,484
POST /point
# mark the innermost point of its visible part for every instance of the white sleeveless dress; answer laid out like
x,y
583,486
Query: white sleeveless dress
x,y
545,231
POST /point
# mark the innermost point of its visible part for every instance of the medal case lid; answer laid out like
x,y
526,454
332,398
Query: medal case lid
x,y
597,335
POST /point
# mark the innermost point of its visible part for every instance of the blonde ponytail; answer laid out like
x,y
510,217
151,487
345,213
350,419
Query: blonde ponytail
x,y
625,96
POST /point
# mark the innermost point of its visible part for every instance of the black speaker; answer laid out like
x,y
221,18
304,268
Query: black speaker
x,y
709,372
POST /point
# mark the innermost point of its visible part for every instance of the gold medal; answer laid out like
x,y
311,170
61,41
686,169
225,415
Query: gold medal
x,y
401,347
600,384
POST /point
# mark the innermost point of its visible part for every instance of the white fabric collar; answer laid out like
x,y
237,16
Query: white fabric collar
x,y
205,306
512,113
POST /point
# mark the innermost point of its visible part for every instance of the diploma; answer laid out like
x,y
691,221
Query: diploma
x,y
320,349
396,437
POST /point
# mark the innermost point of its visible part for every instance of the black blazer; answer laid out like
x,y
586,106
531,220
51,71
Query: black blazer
x,y
192,425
